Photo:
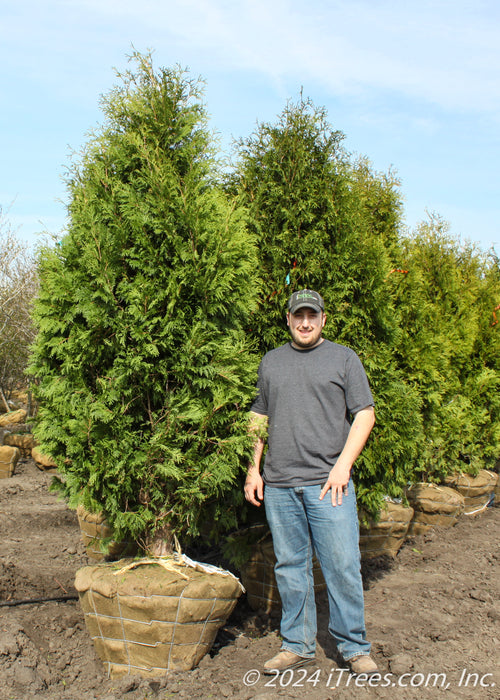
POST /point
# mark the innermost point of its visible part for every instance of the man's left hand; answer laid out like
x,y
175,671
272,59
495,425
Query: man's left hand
x,y
337,482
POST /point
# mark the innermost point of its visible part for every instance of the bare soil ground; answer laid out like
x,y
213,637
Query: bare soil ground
x,y
432,615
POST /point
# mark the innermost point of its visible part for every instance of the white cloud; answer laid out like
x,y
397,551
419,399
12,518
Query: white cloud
x,y
442,51
411,83
446,52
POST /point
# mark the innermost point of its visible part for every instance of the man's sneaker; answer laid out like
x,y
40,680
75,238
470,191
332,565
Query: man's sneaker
x,y
362,664
285,660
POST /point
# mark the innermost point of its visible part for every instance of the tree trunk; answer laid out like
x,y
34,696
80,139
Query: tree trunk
x,y
161,544
4,400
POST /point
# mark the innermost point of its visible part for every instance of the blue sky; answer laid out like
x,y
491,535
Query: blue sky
x,y
414,86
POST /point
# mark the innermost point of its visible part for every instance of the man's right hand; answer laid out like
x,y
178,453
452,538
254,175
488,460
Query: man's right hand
x,y
254,487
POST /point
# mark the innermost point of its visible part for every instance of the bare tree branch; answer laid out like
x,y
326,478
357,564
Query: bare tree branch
x,y
18,287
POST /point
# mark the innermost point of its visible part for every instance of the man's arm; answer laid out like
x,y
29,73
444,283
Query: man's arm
x,y
254,485
338,478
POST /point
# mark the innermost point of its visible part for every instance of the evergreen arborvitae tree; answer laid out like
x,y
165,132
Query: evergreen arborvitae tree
x,y
144,368
445,305
328,224
482,382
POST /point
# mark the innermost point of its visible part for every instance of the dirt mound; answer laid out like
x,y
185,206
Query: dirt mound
x,y
432,616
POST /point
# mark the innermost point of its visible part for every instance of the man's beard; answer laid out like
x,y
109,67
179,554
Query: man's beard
x,y
313,339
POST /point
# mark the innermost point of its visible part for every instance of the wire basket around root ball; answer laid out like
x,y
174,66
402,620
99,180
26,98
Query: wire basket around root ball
x,y
477,491
257,575
384,536
434,506
149,616
95,531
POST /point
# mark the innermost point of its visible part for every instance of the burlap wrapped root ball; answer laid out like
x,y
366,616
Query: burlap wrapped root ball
x,y
95,529
25,442
9,457
385,536
43,462
257,575
152,618
476,490
13,417
433,506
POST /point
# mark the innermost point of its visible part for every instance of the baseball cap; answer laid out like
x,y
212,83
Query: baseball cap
x,y
305,298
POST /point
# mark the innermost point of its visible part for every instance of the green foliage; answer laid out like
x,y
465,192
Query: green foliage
x,y
327,223
484,366
151,319
448,349
145,370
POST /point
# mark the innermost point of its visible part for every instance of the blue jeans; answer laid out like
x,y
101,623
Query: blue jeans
x,y
300,523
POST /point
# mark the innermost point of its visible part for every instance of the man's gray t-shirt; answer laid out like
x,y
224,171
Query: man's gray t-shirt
x,y
309,397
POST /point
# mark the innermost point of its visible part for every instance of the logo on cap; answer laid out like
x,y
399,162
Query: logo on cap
x,y
306,297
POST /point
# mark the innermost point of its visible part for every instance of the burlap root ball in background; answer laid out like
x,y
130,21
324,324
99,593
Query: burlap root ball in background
x,y
433,506
386,535
9,457
257,575
95,530
476,490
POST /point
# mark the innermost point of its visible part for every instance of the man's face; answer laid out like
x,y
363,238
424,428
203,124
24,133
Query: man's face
x,y
306,326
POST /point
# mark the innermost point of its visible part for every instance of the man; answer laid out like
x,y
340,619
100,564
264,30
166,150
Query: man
x,y
314,396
